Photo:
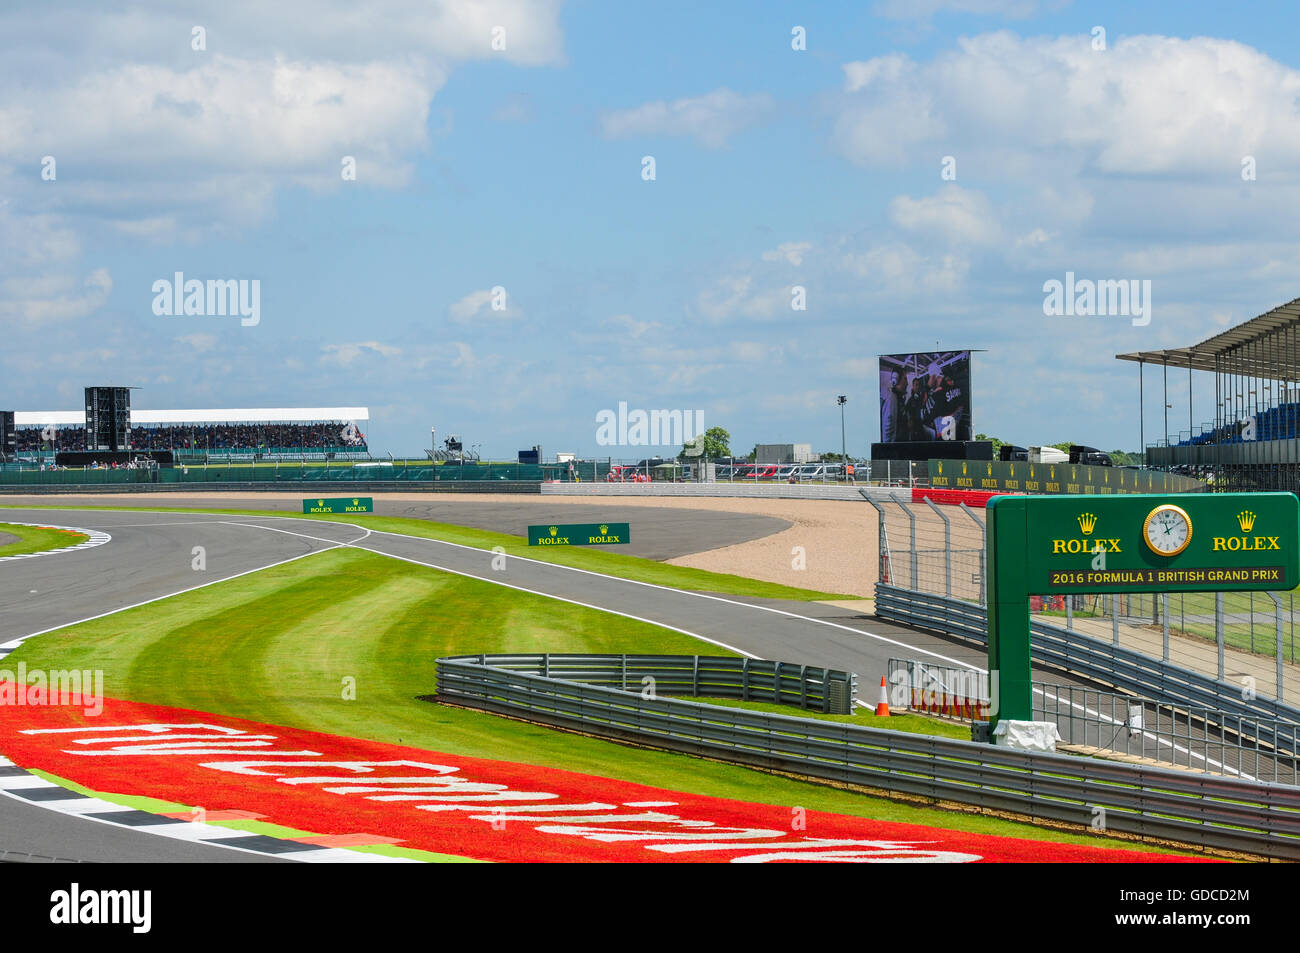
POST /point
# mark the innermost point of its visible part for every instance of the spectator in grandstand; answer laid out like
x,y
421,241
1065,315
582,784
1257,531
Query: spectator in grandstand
x,y
316,436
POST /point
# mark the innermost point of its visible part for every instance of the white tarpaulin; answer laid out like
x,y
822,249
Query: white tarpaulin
x,y
1027,735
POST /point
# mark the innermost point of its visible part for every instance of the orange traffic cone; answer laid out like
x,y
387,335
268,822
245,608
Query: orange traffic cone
x,y
882,707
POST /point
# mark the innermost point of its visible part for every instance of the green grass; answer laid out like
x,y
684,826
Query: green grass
x,y
275,646
610,563
37,539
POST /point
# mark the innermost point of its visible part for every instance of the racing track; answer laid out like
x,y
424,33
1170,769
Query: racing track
x,y
150,556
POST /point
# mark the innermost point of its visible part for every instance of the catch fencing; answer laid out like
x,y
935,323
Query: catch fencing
x,y
938,549
1193,808
1070,651
1092,721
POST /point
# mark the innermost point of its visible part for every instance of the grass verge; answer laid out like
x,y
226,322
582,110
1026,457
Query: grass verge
x,y
37,539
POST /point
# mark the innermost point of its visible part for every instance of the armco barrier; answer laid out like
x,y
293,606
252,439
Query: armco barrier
x,y
782,683
1079,654
1191,808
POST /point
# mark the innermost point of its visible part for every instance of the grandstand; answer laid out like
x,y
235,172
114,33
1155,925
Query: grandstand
x,y
1253,443
254,433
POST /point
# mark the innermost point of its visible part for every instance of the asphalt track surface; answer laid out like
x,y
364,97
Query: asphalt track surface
x,y
657,532
150,557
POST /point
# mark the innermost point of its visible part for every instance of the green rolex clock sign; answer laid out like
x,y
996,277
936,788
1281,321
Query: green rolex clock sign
x,y
1193,542
579,534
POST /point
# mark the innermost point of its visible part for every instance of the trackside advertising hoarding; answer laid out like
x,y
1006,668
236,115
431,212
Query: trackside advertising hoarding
x,y
1185,542
1164,543
349,504
579,534
1021,477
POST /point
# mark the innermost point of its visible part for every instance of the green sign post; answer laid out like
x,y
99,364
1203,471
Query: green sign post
x,y
350,504
1194,542
579,534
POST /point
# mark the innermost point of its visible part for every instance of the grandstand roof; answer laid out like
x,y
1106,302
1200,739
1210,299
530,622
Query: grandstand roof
x,y
1269,362
254,415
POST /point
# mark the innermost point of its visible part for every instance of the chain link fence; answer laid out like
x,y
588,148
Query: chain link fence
x,y
1096,722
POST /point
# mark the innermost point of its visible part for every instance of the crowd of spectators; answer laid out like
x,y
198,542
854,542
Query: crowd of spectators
x,y
32,439
249,437
315,436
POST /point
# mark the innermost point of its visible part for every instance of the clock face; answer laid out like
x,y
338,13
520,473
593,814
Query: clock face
x,y
1168,530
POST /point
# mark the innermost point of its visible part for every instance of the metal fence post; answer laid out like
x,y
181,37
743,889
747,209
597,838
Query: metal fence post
x,y
911,519
978,522
1164,628
1114,618
1277,610
1218,628
882,542
947,547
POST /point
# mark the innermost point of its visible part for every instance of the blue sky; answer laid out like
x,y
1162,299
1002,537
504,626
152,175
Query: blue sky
x,y
522,169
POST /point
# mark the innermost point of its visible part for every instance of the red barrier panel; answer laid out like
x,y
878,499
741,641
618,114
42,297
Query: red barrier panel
x,y
977,498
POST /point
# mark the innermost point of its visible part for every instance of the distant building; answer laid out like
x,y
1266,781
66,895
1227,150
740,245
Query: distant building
x,y
784,453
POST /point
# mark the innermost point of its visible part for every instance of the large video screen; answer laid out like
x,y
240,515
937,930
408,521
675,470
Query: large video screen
x,y
925,396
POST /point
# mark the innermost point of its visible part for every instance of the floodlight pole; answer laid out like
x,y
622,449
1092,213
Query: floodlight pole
x,y
844,459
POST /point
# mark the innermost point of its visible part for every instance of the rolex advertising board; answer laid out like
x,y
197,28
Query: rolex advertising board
x,y
1021,477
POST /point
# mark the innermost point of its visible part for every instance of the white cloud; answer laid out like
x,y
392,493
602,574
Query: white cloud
x,y
793,252
1018,106
199,341
168,142
480,303
465,357
953,214
712,118
345,354
50,298
895,269
735,297
632,327
291,120
924,9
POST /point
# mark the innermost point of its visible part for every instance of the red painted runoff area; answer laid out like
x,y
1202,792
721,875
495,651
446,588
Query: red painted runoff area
x,y
341,787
